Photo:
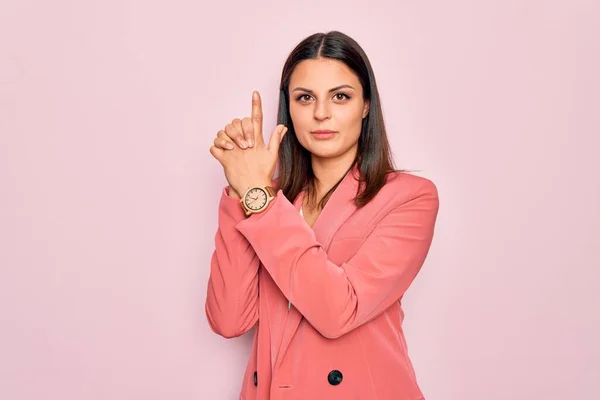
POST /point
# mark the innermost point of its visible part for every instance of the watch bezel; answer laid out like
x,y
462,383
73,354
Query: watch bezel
x,y
252,190
269,194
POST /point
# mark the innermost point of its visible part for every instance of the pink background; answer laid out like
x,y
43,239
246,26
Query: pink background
x,y
109,194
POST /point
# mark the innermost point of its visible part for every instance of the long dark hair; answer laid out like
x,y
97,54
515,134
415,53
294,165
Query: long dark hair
x,y
373,155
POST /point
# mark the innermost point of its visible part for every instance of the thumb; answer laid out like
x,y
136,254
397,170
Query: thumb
x,y
276,138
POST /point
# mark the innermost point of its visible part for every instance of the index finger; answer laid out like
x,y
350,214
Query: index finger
x,y
257,117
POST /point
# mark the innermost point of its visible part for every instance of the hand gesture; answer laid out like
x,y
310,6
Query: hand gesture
x,y
251,163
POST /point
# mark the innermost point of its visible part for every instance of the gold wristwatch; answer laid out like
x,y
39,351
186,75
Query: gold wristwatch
x,y
256,199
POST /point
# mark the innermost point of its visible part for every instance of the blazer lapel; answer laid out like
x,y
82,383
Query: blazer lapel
x,y
337,210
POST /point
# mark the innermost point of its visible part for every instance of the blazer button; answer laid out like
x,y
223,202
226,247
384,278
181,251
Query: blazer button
x,y
255,378
335,377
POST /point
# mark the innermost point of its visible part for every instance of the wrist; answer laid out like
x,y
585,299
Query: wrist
x,y
252,184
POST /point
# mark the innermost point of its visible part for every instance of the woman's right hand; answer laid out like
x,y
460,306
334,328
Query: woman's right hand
x,y
239,133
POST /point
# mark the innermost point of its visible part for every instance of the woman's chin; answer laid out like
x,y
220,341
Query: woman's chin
x,y
323,151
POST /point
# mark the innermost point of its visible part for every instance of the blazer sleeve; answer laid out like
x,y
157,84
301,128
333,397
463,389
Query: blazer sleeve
x,y
336,299
232,295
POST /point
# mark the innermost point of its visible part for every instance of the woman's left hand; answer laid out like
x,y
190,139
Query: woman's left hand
x,y
253,166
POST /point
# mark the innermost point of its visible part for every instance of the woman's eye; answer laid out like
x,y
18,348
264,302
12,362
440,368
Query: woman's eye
x,y
337,96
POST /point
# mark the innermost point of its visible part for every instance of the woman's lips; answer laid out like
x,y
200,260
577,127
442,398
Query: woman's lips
x,y
324,134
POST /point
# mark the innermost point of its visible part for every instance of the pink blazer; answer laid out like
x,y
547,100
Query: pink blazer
x,y
342,336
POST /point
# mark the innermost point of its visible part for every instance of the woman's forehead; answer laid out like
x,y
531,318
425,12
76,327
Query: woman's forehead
x,y
322,74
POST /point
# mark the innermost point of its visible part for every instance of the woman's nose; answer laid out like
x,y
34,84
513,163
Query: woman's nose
x,y
322,110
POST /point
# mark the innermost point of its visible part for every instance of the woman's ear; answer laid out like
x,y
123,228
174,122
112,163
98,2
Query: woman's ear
x,y
366,109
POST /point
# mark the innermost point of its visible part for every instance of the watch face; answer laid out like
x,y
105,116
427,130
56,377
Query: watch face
x,y
255,199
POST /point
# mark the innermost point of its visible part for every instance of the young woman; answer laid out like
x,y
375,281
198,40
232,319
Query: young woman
x,y
319,259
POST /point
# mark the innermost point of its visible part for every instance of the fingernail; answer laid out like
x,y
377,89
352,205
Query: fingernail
x,y
243,144
255,95
251,142
229,146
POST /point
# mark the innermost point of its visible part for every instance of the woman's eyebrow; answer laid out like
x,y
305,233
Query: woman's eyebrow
x,y
330,90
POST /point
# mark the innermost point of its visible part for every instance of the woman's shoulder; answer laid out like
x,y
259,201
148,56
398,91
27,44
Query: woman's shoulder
x,y
403,191
404,186
404,179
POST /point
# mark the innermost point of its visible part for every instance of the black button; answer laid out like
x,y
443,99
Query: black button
x,y
335,377
255,379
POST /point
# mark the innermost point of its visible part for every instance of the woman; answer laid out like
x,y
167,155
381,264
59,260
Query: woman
x,y
319,259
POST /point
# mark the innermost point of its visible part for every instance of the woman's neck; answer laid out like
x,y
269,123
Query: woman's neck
x,y
329,171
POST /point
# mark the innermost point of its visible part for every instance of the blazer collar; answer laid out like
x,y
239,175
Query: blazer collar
x,y
337,210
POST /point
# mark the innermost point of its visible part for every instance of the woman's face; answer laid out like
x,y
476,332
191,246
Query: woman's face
x,y
326,95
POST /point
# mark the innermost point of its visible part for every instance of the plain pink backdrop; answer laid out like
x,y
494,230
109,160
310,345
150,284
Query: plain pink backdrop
x,y
109,195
